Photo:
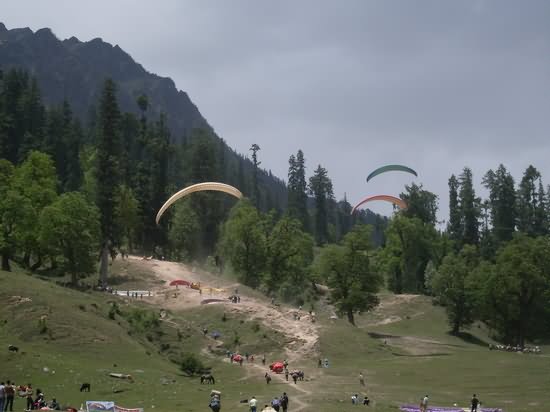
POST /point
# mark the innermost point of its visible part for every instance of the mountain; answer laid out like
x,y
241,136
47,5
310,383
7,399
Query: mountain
x,y
74,70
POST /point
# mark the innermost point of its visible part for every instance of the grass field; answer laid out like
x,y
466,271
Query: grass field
x,y
402,348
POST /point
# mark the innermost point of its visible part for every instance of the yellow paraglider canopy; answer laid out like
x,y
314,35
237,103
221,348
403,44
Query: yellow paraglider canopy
x,y
199,187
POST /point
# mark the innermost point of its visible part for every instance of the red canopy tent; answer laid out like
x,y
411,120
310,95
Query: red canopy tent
x,y
277,367
237,358
180,282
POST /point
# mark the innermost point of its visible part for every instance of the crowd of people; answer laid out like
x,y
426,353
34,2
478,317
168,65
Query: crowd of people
x,y
35,400
517,348
278,403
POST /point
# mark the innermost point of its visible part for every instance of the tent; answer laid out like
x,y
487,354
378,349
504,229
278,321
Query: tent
x,y
237,358
277,367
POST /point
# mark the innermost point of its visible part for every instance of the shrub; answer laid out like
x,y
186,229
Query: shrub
x,y
113,311
190,364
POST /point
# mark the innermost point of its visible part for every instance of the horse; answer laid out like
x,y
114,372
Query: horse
x,y
208,379
85,387
12,348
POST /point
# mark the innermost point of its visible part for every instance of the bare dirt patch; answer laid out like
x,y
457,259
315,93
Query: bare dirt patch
x,y
302,335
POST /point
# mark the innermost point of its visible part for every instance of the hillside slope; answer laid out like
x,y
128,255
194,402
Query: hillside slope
x,y
402,348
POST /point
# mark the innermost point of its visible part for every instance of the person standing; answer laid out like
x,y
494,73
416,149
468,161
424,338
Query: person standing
x,y
253,403
361,379
28,395
424,404
2,396
475,403
284,402
286,374
9,393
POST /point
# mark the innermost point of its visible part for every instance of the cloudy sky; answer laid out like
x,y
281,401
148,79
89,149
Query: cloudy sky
x,y
436,85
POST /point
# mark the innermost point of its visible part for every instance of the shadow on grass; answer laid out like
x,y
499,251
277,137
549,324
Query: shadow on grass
x,y
424,355
382,335
469,338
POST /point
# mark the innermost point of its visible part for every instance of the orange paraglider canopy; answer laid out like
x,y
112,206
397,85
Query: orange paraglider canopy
x,y
386,198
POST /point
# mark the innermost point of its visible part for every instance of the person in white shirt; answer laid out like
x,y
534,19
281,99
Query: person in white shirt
x,y
424,404
2,396
253,404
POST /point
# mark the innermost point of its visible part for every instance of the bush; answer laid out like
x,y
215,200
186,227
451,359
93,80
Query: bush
x,y
256,327
190,364
142,320
113,311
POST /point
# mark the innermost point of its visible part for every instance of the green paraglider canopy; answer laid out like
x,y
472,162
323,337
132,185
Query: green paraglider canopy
x,y
391,168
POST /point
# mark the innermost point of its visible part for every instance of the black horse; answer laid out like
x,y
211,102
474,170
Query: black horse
x,y
12,348
208,379
85,387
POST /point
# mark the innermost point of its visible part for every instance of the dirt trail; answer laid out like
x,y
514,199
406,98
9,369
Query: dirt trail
x,y
302,335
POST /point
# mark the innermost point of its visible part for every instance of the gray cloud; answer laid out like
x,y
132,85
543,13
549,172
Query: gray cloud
x,y
355,84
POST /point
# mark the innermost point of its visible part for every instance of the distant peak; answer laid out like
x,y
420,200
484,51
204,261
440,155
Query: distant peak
x,y
45,32
3,28
71,40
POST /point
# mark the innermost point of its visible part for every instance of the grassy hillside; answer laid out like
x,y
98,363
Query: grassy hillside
x,y
402,348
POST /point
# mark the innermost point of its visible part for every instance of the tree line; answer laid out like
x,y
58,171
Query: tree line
x,y
491,263
74,194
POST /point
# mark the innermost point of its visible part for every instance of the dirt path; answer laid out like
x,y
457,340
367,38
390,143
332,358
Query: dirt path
x,y
302,335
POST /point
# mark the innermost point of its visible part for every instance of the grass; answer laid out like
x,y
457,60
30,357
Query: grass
x,y
81,344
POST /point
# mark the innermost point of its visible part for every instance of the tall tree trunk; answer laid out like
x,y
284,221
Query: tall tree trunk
x,y
351,319
456,328
26,260
6,262
104,264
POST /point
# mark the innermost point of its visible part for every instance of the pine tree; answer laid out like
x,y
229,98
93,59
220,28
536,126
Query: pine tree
x,y
502,202
255,186
469,208
529,209
320,186
454,227
107,172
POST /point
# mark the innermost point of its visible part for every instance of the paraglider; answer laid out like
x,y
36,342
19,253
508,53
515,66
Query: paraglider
x,y
387,198
390,168
199,187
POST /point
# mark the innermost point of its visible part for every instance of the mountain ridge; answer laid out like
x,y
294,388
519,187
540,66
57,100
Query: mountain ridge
x,y
66,68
